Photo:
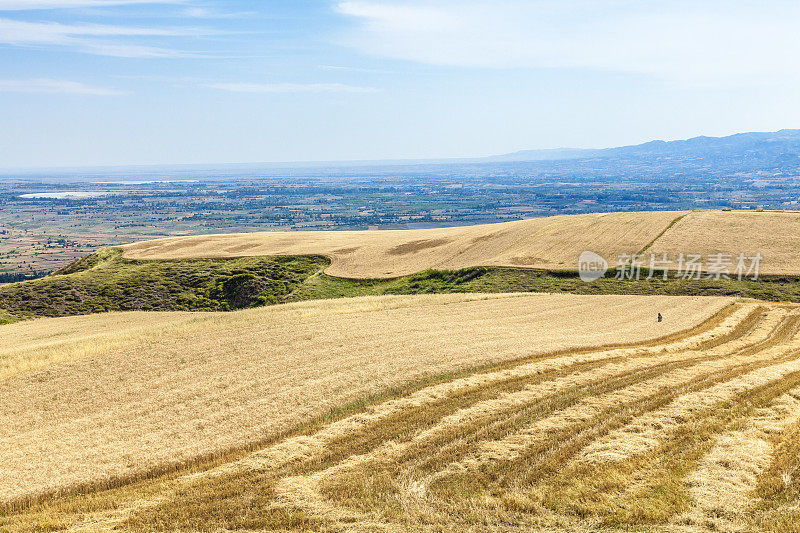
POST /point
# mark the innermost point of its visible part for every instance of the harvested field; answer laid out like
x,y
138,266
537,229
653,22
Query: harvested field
x,y
552,243
548,243
511,448
104,399
773,234
525,428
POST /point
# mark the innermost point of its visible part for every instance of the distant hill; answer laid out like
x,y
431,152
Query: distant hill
x,y
777,152
783,144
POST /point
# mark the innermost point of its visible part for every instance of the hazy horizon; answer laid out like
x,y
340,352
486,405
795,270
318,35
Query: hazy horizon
x,y
345,162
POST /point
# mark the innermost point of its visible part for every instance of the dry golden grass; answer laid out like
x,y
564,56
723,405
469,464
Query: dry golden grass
x,y
552,243
505,449
525,428
775,235
93,400
549,243
29,346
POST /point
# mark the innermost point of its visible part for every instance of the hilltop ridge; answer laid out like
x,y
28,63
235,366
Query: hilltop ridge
x,y
550,243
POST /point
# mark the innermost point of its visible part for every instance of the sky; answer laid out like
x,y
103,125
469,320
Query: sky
x,y
128,82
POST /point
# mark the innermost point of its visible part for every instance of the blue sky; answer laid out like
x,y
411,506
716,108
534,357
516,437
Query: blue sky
x,y
119,82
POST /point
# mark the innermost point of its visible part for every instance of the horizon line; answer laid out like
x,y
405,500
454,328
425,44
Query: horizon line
x,y
315,163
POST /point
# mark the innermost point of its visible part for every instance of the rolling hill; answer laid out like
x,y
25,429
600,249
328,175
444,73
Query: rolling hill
x,y
551,243
390,412
227,272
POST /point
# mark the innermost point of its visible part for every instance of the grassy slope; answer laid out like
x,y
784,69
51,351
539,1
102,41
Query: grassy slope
x,y
105,281
497,279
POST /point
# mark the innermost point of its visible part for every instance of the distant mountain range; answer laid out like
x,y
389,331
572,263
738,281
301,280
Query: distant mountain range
x,y
776,153
759,145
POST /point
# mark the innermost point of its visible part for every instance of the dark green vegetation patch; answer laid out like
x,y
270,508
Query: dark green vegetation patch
x,y
105,281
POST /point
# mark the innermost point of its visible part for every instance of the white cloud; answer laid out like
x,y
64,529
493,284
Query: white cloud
x,y
20,5
199,12
290,88
21,32
682,40
51,86
91,38
206,13
134,51
353,69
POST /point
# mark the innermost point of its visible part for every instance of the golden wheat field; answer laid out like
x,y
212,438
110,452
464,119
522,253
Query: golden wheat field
x,y
552,243
773,234
376,413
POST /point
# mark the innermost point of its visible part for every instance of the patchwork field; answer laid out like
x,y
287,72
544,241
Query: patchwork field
x,y
551,243
147,419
